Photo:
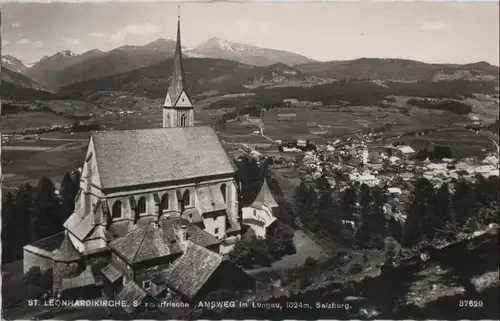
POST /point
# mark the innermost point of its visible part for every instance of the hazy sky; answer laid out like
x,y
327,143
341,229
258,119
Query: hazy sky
x,y
431,32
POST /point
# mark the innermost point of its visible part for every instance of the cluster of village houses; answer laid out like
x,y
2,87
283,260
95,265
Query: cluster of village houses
x,y
362,160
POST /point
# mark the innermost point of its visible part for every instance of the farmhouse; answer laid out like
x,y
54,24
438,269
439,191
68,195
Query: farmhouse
x,y
146,197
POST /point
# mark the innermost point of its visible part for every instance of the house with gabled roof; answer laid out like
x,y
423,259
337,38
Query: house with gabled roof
x,y
199,271
143,194
259,215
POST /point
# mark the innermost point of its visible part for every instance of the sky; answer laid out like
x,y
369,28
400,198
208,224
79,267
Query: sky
x,y
442,32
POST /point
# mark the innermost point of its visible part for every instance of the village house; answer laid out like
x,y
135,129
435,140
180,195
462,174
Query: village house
x,y
144,195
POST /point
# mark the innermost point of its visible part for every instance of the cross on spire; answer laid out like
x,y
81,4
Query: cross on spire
x,y
178,12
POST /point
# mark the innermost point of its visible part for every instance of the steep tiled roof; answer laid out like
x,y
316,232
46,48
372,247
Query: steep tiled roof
x,y
111,273
192,215
119,228
192,270
66,252
265,197
131,293
210,199
84,279
154,240
135,157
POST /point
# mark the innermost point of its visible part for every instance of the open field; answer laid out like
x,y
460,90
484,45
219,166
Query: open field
x,y
119,110
53,163
16,122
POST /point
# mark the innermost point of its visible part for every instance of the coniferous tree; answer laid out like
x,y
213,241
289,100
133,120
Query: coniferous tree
x,y
443,217
68,194
395,229
9,235
323,185
348,204
305,204
365,200
463,202
25,212
47,217
419,213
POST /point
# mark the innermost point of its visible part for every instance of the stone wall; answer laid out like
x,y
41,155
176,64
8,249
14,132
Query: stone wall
x,y
33,257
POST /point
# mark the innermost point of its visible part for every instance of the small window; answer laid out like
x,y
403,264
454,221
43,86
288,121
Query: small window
x,y
146,285
223,191
116,211
164,202
141,205
216,231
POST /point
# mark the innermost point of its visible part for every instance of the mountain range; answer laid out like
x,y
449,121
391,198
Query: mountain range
x,y
219,65
66,67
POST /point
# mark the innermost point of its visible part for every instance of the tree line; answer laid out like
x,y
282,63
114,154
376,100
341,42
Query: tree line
x,y
32,213
360,216
453,106
252,251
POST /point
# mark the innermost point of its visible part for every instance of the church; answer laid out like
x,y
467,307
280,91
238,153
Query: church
x,y
148,199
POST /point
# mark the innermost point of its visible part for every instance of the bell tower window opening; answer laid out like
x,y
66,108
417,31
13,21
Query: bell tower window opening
x,y
183,120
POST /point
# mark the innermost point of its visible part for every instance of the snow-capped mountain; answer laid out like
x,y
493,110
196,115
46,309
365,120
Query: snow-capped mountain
x,y
222,49
64,54
13,64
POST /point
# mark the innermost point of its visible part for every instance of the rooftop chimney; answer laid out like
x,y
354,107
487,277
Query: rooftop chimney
x,y
182,235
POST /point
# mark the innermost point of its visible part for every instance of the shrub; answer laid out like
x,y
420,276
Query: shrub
x,y
356,268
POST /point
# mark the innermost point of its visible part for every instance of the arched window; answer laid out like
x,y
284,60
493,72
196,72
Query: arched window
x,y
223,191
116,211
183,120
164,202
141,205
186,199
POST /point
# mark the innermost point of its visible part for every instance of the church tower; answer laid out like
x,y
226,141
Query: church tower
x,y
178,110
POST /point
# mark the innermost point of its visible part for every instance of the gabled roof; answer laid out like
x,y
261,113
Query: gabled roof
x,y
157,239
192,270
131,293
142,243
145,156
264,198
177,81
80,224
111,273
210,199
67,251
192,215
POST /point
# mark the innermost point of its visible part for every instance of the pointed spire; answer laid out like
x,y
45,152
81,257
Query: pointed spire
x,y
265,197
177,82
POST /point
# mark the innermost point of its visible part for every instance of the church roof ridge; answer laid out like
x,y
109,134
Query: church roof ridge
x,y
104,132
121,160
